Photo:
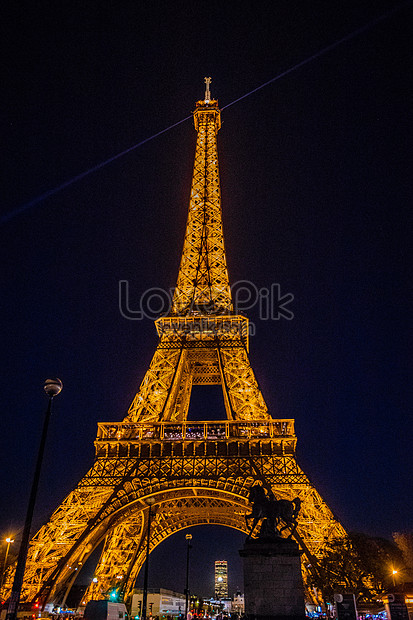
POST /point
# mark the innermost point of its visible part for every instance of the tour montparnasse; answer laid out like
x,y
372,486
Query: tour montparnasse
x,y
193,472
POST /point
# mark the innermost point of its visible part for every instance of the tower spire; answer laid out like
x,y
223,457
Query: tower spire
x,y
207,81
203,283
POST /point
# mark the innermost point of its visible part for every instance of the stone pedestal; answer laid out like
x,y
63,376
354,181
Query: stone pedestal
x,y
273,583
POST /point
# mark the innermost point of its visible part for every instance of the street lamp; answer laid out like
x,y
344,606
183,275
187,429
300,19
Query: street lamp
x,y
189,546
149,501
52,387
393,573
9,541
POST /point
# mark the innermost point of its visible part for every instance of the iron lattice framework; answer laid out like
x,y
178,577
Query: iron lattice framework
x,y
197,472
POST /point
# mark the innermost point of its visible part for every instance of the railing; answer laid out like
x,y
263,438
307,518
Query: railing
x,y
193,431
203,327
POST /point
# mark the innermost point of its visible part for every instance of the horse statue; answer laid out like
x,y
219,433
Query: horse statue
x,y
259,500
273,511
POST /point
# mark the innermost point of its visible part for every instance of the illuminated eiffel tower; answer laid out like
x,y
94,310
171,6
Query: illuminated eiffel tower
x,y
194,472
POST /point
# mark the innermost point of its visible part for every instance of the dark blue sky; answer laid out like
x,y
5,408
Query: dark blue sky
x,y
316,193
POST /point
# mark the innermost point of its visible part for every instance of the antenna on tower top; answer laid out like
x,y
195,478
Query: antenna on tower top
x,y
207,81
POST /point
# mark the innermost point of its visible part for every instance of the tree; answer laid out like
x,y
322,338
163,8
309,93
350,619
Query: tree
x,y
356,563
404,541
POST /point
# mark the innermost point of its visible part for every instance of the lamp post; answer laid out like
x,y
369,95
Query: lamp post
x,y
9,541
149,501
393,573
52,387
189,546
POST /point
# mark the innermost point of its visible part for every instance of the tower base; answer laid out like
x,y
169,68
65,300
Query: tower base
x,y
273,584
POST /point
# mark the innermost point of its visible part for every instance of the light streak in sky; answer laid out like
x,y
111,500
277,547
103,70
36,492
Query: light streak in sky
x,y
82,175
12,214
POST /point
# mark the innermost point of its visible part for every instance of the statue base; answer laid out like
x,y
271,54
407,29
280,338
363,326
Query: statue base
x,y
273,584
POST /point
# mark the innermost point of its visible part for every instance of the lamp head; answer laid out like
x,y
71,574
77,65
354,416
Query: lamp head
x,y
53,387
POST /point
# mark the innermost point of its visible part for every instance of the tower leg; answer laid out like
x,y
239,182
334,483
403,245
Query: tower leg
x,y
158,390
117,558
245,399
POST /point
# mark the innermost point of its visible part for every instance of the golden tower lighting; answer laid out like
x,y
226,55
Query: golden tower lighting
x,y
193,472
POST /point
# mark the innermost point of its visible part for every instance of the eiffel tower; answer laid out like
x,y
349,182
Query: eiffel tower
x,y
193,472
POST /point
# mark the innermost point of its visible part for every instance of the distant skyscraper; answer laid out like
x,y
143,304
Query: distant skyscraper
x,y
221,579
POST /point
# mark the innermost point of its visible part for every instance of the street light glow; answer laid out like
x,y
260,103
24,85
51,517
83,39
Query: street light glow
x,y
9,540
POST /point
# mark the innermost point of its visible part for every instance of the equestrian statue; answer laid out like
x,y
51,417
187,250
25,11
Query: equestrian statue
x,y
274,512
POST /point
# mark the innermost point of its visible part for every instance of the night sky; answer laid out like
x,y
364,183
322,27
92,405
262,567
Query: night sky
x,y
316,191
